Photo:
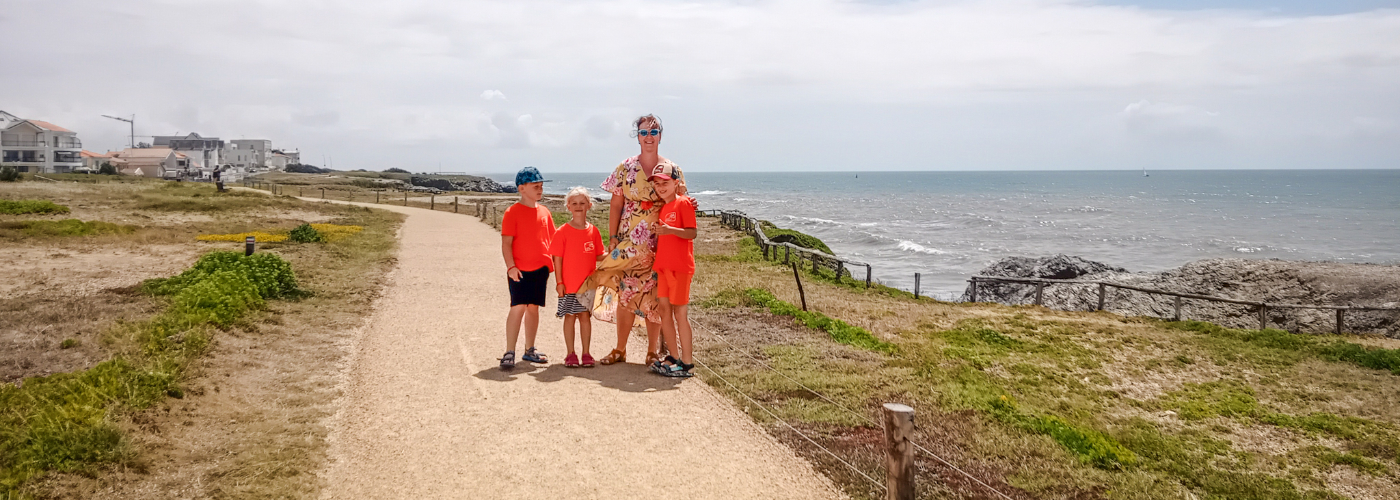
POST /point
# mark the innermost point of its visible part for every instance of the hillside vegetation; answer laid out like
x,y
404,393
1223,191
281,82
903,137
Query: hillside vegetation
x,y
1048,404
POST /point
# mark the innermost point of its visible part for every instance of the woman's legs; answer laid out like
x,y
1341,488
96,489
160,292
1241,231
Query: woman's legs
x,y
624,319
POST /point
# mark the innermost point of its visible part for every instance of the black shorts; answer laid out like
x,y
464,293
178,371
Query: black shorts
x,y
531,287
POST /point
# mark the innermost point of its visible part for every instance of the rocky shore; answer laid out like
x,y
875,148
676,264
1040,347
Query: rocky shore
x,y
1272,281
462,183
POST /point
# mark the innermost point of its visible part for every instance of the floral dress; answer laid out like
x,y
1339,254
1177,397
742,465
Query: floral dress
x,y
625,274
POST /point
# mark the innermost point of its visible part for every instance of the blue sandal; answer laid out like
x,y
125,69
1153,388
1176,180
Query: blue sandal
x,y
508,360
534,356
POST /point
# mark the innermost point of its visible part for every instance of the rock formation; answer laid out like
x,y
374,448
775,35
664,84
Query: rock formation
x,y
1272,281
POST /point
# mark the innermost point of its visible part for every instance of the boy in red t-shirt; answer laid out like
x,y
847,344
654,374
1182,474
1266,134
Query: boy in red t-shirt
x,y
526,230
675,267
577,248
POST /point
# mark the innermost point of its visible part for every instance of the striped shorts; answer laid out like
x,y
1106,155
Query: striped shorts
x,y
575,303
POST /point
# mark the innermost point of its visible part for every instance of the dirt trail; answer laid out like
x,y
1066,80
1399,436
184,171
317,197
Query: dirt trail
x,y
427,414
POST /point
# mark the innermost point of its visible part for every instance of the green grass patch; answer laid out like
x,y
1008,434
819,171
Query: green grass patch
x,y
1222,398
1280,348
67,227
200,197
839,330
23,207
64,422
798,238
1089,445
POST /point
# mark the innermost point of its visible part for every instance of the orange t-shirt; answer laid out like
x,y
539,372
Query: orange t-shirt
x,y
674,253
579,249
532,229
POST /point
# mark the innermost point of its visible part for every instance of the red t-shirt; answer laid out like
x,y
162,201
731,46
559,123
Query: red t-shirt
x,y
532,229
579,249
674,253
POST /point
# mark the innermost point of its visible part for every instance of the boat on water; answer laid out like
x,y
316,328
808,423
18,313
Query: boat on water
x,y
1144,172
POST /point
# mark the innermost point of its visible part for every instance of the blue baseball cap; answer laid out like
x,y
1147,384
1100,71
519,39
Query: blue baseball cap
x,y
527,175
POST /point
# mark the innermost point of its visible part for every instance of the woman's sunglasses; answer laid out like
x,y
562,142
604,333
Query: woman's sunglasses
x,y
644,132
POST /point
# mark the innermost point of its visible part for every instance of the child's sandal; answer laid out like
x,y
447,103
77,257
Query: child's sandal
x,y
616,356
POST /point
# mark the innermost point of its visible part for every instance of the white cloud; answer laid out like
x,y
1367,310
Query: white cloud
x,y
780,83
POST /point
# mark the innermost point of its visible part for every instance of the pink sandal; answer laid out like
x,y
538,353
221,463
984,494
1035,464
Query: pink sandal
x,y
587,360
571,361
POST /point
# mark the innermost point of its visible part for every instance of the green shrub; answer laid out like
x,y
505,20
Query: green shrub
x,y
8,174
839,330
305,234
271,276
798,238
107,169
68,344
22,207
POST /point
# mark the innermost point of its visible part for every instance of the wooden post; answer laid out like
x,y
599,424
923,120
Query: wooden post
x,y
814,262
1101,296
432,202
376,197
840,266
867,275
1039,292
405,198
800,294
1340,312
323,193
973,287
1177,308
301,191
916,285
899,451
454,204
1263,315
765,250
787,252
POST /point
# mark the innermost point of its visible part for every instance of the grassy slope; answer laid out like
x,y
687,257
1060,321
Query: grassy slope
x,y
45,431
1050,404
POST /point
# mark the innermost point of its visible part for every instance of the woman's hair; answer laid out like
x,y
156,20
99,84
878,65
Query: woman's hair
x,y
579,191
637,124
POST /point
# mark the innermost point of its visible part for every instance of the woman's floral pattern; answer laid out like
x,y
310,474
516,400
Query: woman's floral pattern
x,y
626,275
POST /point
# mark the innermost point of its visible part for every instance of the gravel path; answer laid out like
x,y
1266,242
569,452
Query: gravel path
x,y
426,413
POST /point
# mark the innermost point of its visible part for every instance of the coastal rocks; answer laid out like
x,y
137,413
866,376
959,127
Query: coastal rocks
x,y
471,183
1271,281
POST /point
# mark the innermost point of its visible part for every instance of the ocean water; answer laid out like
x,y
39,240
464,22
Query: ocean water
x,y
949,225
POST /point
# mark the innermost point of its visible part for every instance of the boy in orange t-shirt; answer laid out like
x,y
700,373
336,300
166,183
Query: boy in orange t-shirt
x,y
526,230
577,248
675,267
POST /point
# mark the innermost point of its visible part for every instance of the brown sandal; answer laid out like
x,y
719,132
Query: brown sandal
x,y
615,356
653,357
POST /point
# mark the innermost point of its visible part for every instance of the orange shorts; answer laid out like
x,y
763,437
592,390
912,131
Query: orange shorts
x,y
674,286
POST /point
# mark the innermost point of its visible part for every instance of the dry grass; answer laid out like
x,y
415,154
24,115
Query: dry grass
x,y
1129,380
251,422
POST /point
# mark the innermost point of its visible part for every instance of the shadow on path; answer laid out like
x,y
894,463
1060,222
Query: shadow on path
x,y
627,377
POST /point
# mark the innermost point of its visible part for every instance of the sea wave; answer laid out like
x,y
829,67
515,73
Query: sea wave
x,y
760,201
910,246
711,193
812,219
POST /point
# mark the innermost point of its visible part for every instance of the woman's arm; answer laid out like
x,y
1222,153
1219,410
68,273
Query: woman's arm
x,y
614,218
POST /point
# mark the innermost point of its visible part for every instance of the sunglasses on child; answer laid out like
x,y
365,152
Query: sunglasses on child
x,y
645,132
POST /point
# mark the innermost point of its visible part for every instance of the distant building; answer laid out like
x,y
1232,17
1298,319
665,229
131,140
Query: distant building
x,y
247,153
204,151
92,161
38,146
163,163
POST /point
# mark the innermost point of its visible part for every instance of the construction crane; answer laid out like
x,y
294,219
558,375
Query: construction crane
x,y
131,121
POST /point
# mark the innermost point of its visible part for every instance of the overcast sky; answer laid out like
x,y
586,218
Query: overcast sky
x,y
741,85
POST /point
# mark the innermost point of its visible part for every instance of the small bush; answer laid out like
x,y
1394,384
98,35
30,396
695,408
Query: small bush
x,y
396,171
305,234
8,174
798,238
68,344
271,276
23,207
107,169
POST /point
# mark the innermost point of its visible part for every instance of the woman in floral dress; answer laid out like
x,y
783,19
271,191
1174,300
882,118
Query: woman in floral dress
x,y
629,284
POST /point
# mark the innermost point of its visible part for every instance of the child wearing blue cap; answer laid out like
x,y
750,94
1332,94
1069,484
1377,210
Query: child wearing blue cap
x,y
526,231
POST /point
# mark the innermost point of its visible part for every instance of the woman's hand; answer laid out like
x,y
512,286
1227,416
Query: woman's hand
x,y
514,273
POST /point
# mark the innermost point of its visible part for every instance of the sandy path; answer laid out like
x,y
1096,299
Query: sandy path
x,y
427,413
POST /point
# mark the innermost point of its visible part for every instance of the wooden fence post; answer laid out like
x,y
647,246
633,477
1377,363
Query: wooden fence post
x,y
323,193
405,198
765,250
1263,315
1101,296
1340,312
432,202
916,285
1039,289
973,287
787,252
899,451
867,275
814,262
454,204
376,197
840,266
800,294
1177,308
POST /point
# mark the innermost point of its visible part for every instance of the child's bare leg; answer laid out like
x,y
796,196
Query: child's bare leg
x,y
532,324
569,331
625,319
681,313
513,325
668,324
585,330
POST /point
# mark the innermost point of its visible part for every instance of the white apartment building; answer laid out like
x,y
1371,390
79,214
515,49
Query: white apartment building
x,y
203,152
38,146
247,153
